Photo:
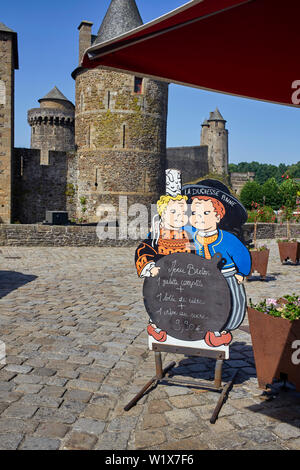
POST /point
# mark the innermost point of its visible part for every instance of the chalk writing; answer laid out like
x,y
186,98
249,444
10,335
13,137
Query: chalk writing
x,y
188,297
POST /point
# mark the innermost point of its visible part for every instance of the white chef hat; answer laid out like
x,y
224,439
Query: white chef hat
x,y
173,182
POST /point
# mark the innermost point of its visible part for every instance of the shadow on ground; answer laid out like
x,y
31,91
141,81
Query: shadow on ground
x,y
268,278
281,404
202,368
12,280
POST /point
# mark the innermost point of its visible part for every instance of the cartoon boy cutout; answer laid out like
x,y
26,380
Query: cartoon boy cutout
x,y
166,237
207,213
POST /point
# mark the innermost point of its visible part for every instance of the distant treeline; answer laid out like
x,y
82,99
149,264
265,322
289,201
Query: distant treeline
x,y
265,171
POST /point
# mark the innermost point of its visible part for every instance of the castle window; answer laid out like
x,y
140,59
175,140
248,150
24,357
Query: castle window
x,y
138,85
21,165
81,102
88,137
124,136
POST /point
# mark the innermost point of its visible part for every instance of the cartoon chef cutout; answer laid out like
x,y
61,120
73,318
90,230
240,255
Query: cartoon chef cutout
x,y
167,236
215,226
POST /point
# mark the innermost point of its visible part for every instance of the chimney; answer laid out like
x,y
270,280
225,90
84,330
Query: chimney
x,y
85,38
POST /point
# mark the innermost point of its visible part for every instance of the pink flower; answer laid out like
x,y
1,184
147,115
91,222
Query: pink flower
x,y
270,302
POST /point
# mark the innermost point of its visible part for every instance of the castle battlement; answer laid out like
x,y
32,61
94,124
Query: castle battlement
x,y
50,116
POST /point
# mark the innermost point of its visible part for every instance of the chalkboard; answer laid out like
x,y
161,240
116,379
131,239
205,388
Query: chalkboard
x,y
188,297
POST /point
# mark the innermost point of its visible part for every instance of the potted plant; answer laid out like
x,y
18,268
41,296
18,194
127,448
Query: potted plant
x,y
275,333
289,248
259,255
259,258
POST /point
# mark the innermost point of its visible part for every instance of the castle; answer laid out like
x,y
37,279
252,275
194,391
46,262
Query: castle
x,y
111,143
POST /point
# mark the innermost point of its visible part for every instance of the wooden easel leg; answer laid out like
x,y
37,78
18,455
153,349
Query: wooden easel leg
x,y
158,365
140,394
218,373
223,398
160,373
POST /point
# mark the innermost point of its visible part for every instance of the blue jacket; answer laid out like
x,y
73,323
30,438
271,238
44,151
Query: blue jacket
x,y
230,247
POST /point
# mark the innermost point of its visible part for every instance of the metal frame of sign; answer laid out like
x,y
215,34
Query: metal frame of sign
x,y
165,375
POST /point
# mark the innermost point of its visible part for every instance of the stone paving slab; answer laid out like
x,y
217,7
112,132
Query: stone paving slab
x,y
73,323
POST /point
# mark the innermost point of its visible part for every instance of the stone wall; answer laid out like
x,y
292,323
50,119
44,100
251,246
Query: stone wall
x,y
191,161
48,235
271,231
6,123
39,187
54,235
238,180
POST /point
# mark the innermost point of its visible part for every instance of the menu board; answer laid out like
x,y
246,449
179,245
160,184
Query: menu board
x,y
188,297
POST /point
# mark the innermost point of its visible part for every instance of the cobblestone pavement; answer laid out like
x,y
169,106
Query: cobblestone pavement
x,y
73,323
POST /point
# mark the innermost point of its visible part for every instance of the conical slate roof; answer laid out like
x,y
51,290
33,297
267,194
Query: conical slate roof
x,y
216,116
121,17
205,123
3,27
54,94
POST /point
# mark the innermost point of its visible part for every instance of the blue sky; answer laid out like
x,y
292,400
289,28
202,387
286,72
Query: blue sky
x,y
48,53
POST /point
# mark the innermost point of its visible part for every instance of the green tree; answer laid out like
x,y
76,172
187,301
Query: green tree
x,y
271,194
289,190
282,169
232,168
251,192
294,170
265,171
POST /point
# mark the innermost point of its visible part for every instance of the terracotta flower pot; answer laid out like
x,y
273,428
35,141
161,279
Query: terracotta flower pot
x,y
289,250
259,260
276,342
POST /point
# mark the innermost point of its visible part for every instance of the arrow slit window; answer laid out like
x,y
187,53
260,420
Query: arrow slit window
x,y
138,85
124,136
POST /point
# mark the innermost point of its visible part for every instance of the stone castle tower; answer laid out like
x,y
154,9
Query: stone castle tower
x,y
215,136
121,120
116,148
52,125
8,65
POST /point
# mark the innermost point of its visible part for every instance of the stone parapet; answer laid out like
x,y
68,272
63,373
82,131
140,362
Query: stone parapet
x,y
271,231
82,235
55,235
50,115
